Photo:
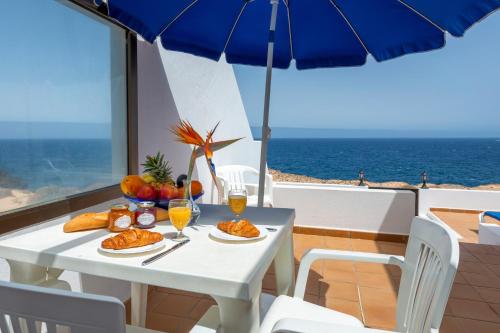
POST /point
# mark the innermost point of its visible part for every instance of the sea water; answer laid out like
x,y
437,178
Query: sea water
x,y
31,164
468,162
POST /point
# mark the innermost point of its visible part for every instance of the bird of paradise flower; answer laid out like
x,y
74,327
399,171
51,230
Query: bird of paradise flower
x,y
185,133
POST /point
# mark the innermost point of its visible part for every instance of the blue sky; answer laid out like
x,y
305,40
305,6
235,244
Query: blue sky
x,y
456,88
55,64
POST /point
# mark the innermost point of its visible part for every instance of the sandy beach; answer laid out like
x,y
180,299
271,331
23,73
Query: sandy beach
x,y
12,198
279,176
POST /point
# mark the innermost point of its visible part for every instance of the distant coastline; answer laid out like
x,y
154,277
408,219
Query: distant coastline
x,y
279,176
353,133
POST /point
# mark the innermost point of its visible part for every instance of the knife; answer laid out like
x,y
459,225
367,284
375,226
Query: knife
x,y
164,253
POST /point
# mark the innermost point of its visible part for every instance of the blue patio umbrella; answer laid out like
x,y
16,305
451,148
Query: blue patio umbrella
x,y
314,33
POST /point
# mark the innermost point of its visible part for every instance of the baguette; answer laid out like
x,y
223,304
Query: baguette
x,y
87,221
90,221
131,238
161,214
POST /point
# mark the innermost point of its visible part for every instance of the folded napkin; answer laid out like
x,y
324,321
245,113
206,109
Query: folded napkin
x,y
495,215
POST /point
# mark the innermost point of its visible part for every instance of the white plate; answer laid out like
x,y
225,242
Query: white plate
x,y
221,235
132,250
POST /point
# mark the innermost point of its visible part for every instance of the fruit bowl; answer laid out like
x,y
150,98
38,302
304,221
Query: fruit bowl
x,y
159,203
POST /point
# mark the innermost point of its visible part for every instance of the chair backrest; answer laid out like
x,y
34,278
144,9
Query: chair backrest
x,y
23,308
234,175
431,262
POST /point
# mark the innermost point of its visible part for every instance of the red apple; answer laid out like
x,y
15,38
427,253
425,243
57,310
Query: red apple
x,y
146,192
168,192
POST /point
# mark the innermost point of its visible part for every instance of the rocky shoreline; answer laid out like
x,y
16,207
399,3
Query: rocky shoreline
x,y
288,177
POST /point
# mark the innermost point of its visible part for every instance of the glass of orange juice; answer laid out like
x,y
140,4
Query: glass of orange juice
x,y
237,200
179,211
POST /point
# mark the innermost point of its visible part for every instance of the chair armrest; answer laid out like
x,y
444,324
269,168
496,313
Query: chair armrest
x,y
293,325
316,254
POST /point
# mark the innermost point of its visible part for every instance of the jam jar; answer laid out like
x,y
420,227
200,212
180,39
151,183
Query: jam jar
x,y
145,215
120,218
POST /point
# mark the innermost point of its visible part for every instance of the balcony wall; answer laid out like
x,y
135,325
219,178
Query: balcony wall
x,y
459,199
348,207
175,86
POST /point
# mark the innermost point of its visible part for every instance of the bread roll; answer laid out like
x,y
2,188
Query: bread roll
x,y
87,221
161,214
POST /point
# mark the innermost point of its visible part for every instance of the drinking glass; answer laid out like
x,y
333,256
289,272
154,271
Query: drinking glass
x,y
179,211
237,199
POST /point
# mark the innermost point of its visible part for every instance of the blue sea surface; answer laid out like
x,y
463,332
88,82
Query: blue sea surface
x,y
469,162
32,164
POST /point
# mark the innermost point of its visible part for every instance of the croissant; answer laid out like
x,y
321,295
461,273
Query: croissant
x,y
242,228
131,238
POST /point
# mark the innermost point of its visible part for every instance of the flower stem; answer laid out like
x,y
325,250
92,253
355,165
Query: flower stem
x,y
187,185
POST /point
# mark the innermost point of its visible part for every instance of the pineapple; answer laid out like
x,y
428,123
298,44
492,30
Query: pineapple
x,y
158,170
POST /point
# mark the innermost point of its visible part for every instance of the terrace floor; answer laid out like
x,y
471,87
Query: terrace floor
x,y
367,291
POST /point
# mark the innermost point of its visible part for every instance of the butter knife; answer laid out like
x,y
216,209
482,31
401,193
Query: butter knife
x,y
164,253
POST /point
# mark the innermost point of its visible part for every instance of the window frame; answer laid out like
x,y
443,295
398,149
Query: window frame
x,y
37,213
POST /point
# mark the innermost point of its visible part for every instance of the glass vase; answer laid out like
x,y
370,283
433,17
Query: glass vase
x,y
195,209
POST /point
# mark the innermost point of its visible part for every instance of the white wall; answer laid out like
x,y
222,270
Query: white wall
x,y
175,85
348,208
460,199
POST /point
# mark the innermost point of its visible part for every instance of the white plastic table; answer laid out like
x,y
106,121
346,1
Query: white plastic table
x,y
231,273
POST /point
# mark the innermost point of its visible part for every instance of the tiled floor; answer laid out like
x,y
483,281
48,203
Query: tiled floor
x,y
367,291
464,223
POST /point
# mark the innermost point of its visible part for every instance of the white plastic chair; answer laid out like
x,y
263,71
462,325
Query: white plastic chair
x,y
23,308
237,177
428,270
489,233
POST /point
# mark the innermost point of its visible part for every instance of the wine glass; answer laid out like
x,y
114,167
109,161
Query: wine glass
x,y
179,211
237,199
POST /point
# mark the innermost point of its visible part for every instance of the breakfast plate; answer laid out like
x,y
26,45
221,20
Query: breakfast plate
x,y
223,236
135,250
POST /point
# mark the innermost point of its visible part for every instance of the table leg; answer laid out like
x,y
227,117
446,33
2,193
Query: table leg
x,y
21,272
139,298
284,267
239,316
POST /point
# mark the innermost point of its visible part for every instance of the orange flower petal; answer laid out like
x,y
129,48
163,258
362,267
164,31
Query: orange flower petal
x,y
185,133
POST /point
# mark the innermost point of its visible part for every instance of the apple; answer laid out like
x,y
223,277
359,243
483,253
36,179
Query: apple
x,y
168,192
146,192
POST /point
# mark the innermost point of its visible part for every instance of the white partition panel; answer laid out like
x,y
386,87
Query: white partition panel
x,y
175,86
348,208
458,199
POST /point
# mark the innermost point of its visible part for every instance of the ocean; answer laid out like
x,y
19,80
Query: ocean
x,y
468,162
31,164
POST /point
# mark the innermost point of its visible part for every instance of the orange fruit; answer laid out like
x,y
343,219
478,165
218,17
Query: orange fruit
x,y
131,184
196,188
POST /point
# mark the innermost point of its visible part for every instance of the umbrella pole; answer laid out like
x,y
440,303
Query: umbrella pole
x,y
266,131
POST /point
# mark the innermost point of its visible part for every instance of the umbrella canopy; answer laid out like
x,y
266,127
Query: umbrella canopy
x,y
314,33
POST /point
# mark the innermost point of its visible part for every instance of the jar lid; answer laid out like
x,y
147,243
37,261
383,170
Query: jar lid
x,y
121,206
146,204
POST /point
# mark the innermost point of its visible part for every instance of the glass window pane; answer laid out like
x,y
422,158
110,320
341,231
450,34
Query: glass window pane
x,y
63,107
